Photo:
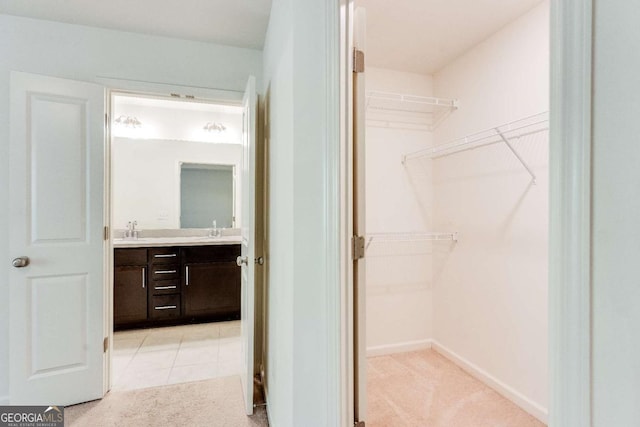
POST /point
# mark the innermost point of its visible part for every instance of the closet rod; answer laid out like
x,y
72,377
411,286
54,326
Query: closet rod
x,y
497,134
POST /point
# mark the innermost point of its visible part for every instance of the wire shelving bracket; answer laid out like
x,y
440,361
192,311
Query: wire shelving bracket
x,y
504,133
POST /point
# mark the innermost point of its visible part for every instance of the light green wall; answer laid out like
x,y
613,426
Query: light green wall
x,y
616,214
303,294
84,53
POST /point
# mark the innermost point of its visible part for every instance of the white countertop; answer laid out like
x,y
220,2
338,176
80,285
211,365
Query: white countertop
x,y
144,242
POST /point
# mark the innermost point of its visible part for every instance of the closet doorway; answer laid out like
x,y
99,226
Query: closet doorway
x,y
451,196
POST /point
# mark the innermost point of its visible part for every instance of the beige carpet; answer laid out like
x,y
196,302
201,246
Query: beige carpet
x,y
424,389
211,403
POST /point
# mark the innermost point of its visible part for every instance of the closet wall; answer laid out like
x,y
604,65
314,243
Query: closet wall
x,y
398,272
481,301
490,294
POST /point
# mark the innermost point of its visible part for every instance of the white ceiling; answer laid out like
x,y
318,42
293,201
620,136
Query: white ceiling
x,y
241,23
422,36
412,35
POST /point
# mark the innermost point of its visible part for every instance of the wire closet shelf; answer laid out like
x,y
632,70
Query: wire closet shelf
x,y
506,133
411,237
388,109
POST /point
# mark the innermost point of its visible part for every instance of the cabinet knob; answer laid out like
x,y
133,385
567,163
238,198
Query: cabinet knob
x,y
242,260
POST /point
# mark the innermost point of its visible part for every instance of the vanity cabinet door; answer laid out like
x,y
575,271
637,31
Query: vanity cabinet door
x,y
130,283
212,290
129,295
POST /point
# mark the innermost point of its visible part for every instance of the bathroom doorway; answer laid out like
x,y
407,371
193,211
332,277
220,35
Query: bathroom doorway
x,y
173,164
180,311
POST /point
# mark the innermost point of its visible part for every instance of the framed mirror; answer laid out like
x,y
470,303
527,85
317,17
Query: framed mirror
x,y
207,194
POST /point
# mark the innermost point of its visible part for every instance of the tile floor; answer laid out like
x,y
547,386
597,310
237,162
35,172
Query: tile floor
x,y
172,355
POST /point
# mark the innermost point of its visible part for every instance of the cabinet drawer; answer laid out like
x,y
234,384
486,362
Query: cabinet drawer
x,y
132,256
163,287
164,306
200,254
164,256
164,272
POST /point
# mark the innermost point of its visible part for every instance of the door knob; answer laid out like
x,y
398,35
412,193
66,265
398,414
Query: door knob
x,y
20,262
242,260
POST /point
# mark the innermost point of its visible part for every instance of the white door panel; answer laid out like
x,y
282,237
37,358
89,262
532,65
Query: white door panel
x,y
56,220
54,146
248,179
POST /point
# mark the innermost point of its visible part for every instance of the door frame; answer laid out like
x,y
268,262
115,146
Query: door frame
x,y
570,256
570,315
115,87
347,342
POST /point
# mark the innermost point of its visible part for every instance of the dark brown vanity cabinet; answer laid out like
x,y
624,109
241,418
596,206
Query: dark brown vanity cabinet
x,y
211,280
174,285
130,287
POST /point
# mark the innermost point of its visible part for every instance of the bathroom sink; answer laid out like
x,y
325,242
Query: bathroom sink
x,y
177,241
215,239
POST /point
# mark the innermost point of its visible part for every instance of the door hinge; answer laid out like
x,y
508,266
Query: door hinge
x,y
105,344
359,424
106,120
105,234
357,247
358,61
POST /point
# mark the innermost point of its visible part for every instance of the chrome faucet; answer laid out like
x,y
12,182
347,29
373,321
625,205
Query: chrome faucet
x,y
131,232
215,231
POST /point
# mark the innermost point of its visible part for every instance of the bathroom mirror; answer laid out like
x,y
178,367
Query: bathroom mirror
x,y
207,194
176,166
175,184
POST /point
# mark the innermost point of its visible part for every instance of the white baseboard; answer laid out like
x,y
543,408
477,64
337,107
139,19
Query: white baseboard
x,y
514,396
4,400
401,347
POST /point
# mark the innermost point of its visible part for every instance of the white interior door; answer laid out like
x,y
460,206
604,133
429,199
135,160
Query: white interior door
x,y
248,226
56,225
359,229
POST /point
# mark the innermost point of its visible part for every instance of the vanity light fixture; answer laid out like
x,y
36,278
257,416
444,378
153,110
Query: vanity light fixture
x,y
128,122
214,127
